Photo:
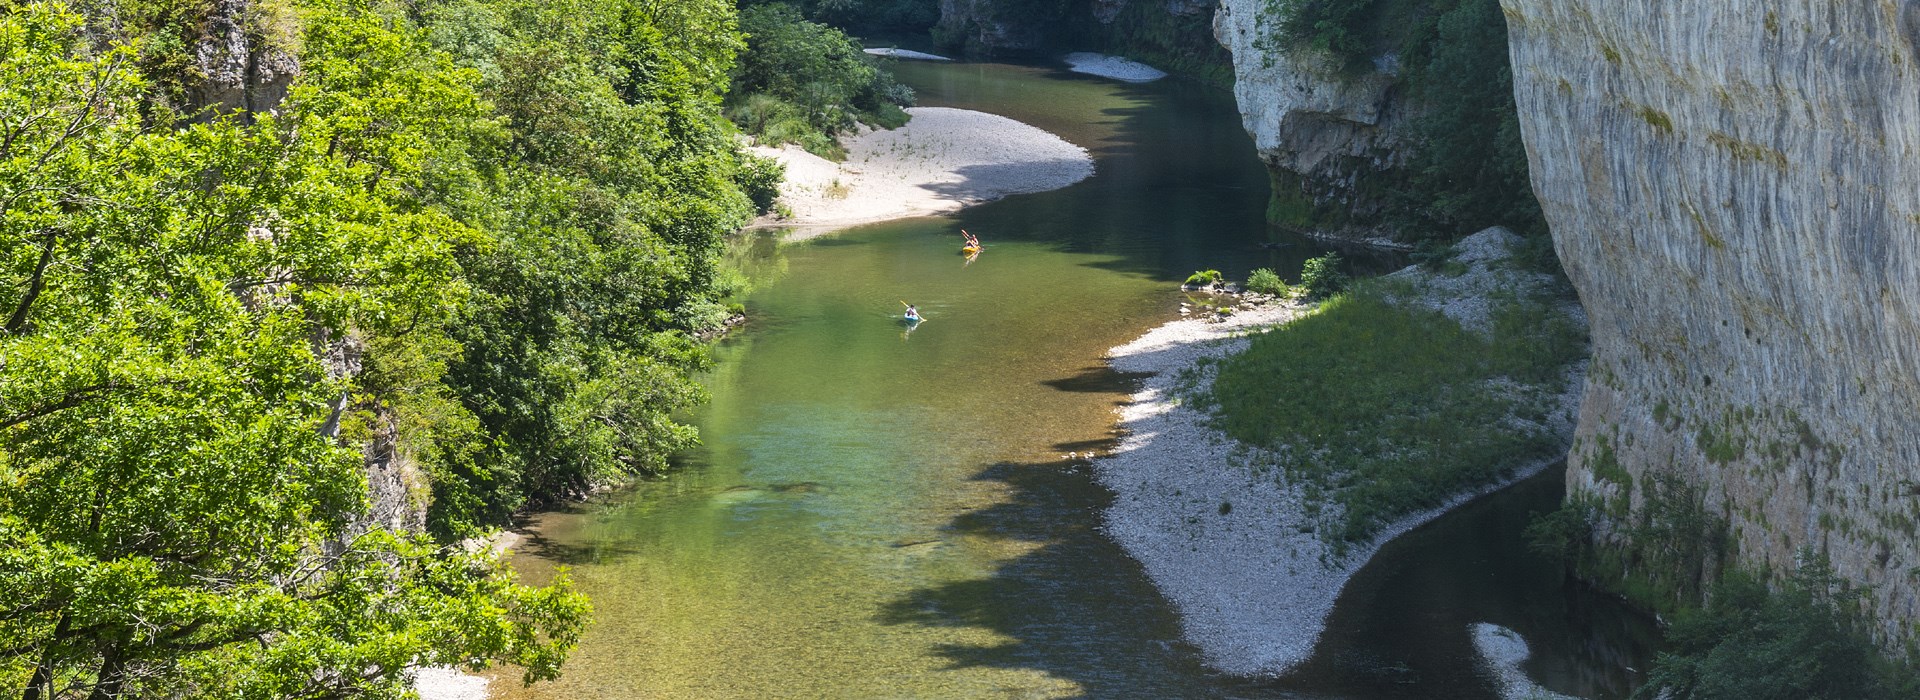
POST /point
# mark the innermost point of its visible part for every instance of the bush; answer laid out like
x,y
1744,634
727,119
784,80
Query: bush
x,y
1339,27
1561,533
1204,278
1797,642
760,178
1321,277
1266,281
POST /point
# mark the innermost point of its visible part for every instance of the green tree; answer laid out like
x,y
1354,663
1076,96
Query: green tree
x,y
178,502
607,197
1470,166
804,82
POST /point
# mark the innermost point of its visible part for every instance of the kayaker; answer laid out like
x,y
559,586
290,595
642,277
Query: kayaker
x,y
913,314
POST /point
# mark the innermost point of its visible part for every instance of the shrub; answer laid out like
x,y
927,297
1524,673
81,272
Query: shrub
x,y
1321,277
1204,278
1266,281
760,178
1799,641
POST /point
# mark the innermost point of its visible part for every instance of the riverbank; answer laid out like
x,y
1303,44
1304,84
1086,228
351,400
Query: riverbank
x,y
1226,537
1113,67
941,161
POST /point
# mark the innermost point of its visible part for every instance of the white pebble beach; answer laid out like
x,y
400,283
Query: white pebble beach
x,y
1253,583
942,160
1502,651
905,54
1113,67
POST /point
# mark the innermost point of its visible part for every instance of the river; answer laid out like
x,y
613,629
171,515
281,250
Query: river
x,y
884,513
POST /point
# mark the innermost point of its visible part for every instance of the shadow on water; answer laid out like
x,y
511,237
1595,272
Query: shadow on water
x,y
1399,630
1098,379
1109,633
1175,189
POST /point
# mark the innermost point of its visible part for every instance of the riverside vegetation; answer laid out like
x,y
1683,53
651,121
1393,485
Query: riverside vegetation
x,y
481,233
1386,408
806,83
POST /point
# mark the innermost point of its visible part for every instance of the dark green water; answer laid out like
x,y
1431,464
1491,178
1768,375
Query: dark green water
x,y
884,513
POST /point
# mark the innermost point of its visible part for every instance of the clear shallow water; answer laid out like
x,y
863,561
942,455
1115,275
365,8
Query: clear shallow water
x,y
885,513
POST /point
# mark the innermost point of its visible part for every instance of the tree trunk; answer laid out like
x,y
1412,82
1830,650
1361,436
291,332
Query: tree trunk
x,y
112,672
41,685
39,282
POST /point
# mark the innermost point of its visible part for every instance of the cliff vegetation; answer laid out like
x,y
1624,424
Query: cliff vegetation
x,y
1461,165
248,249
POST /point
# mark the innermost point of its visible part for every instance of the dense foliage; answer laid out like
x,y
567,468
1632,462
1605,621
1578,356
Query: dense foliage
x,y
805,83
1797,642
1468,168
607,188
1266,281
180,476
1388,409
474,241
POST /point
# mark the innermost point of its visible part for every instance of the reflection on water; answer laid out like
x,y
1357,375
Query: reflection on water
x,y
878,513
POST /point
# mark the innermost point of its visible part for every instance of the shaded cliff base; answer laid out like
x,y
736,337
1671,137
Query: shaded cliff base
x,y
942,160
1236,548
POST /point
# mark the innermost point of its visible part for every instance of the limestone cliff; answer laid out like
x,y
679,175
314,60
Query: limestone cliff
x,y
243,63
1734,189
243,59
1320,128
991,27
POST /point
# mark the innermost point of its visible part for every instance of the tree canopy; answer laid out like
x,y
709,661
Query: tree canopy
x,y
481,233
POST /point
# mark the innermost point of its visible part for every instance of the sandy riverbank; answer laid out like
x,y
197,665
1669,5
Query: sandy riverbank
x,y
906,54
942,160
1253,583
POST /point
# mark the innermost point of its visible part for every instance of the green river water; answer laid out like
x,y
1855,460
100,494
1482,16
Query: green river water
x,y
885,513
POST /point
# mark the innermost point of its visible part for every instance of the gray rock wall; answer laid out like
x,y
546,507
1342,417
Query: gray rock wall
x,y
244,59
979,26
1319,130
1734,188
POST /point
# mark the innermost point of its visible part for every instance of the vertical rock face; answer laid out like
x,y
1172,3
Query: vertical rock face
x,y
979,26
245,58
1318,129
1734,188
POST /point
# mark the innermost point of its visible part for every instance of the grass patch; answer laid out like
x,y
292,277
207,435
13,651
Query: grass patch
x,y
1389,410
